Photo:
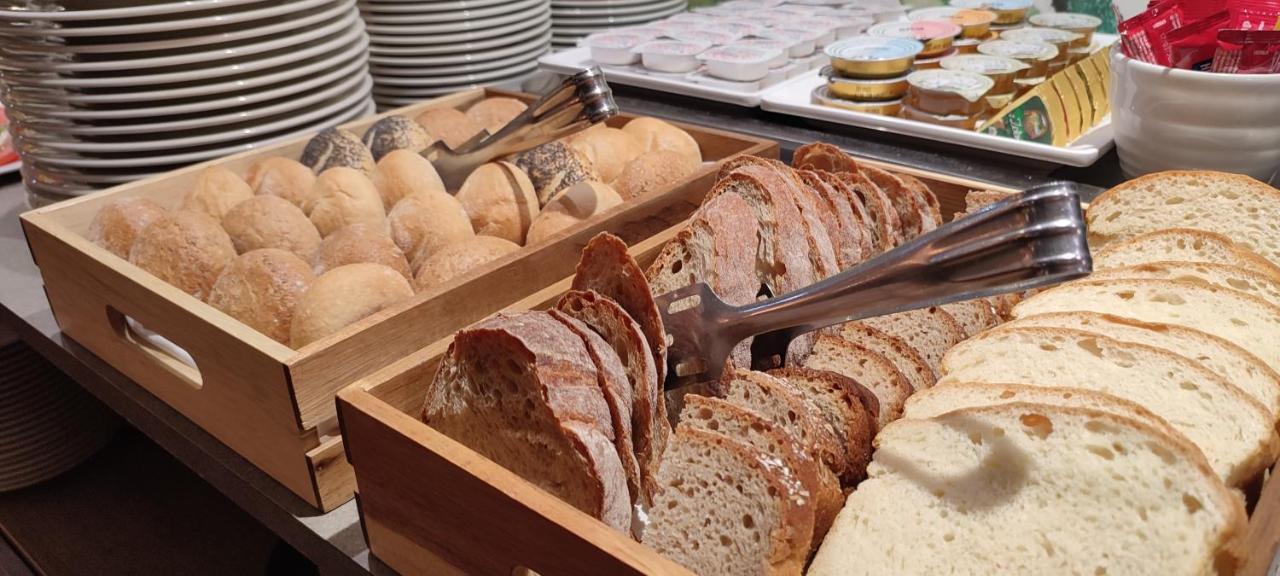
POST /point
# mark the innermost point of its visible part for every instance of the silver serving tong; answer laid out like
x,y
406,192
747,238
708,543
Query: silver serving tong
x,y
1033,239
581,100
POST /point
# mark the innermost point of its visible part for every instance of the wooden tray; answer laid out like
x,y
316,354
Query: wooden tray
x,y
270,403
430,505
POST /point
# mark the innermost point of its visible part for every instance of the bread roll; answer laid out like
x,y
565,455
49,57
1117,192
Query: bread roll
x,y
402,173
454,259
424,223
580,202
336,147
343,296
495,113
499,199
261,288
344,196
277,176
449,125
608,149
216,191
395,133
361,243
187,249
554,166
118,224
651,172
271,222
655,134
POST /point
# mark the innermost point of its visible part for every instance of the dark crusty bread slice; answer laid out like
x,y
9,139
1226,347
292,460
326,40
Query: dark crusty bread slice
x,y
974,316
975,200
850,234
870,241
873,370
749,427
723,507
906,359
823,156
783,405
922,191
612,379
820,219
620,331
912,209
523,391
884,217
788,186
931,331
833,398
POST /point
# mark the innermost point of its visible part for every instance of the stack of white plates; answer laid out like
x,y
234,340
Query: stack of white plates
x,y
421,49
573,20
110,91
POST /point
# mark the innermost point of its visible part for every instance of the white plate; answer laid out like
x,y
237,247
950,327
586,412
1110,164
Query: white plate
x,y
464,36
344,23
273,10
596,11
535,10
522,67
381,92
574,59
415,6
354,35
10,168
598,3
460,52
576,27
129,12
473,63
403,18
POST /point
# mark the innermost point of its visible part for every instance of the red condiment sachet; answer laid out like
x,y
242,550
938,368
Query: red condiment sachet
x,y
1247,52
1143,36
1193,46
1253,14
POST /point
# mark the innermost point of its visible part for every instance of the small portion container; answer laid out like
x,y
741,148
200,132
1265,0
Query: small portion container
x,y
778,46
997,102
615,48
705,36
799,44
1061,39
1025,84
670,55
1036,55
968,45
830,28
822,96
947,92
741,28
972,23
937,36
669,26
865,89
1077,54
1007,11
738,63
961,121
699,18
821,36
935,62
1002,71
1083,24
873,57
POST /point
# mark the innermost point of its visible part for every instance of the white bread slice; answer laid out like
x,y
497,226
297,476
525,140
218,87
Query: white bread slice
x,y
974,316
1235,432
1181,244
931,331
905,358
866,367
522,390
956,395
724,508
1220,275
752,429
1225,359
1034,489
1246,321
1239,207
832,398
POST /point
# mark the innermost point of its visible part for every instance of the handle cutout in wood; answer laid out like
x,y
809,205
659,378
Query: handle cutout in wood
x,y
169,356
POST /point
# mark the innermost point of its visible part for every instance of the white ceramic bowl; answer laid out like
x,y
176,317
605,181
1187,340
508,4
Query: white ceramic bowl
x,y
1167,119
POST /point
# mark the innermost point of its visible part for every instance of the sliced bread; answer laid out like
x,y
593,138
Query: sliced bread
x,y
523,391
932,208
976,200
931,331
823,156
791,190
835,354
1225,359
907,360
779,403
883,216
1220,275
1180,244
1246,321
1034,489
832,397
850,235
844,186
1239,207
913,211
606,267
974,316
723,508
1235,432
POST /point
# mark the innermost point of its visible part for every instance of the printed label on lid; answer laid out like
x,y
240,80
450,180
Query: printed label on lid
x,y
967,84
983,64
1069,20
923,30
1019,50
874,49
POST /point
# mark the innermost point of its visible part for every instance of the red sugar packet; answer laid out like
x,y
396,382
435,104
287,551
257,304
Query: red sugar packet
x,y
1247,52
1143,36
1254,14
1193,46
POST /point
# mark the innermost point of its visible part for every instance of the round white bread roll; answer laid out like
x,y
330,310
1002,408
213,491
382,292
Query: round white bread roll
x,y
271,222
343,296
216,191
424,223
402,173
363,242
494,113
500,200
119,223
187,249
608,149
261,289
655,134
574,205
344,196
454,259
279,176
651,172
449,125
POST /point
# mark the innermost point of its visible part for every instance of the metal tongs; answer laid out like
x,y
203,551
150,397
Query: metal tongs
x,y
1034,239
581,100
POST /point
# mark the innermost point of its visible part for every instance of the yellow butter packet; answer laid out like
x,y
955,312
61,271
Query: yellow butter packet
x,y
1098,85
1070,105
1036,117
1076,79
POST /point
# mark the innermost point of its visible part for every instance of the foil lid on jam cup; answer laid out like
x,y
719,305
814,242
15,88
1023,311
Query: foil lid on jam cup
x,y
1003,71
873,57
936,35
972,23
1036,55
947,92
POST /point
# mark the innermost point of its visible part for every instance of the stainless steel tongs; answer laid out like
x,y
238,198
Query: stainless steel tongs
x,y
1034,239
580,101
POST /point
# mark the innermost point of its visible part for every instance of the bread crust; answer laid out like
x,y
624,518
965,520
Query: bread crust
x,y
854,426
913,211
848,237
186,249
118,224
261,289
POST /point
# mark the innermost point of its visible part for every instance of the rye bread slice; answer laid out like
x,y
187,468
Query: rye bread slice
x,y
823,156
835,354
904,357
883,216
789,186
850,233
922,191
522,390
832,397
870,240
974,316
931,331
912,210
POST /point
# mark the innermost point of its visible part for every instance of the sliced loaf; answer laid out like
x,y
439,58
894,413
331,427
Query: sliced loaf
x,y
933,209
1220,275
823,156
832,397
912,209
883,216
1235,432
1034,489
779,403
931,331
1181,244
907,360
974,316
851,235
835,354
844,186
